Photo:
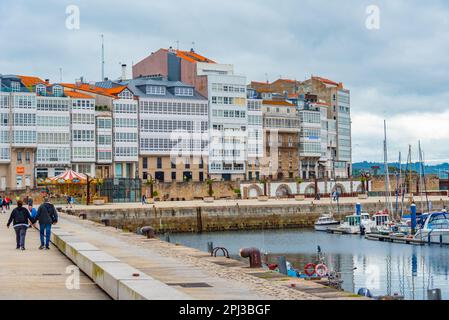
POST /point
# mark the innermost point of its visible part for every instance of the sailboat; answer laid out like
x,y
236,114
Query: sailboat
x,y
380,220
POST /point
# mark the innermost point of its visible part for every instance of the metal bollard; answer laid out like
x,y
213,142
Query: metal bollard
x,y
253,254
167,237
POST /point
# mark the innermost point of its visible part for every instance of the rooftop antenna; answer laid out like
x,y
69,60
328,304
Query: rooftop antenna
x,y
193,45
177,45
60,75
102,57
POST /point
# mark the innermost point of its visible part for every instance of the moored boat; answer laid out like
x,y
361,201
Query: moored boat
x,y
324,222
353,223
435,228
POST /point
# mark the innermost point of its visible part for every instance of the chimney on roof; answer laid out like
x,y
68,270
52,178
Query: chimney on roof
x,y
123,72
47,81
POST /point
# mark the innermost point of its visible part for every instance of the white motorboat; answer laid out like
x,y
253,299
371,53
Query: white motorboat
x,y
352,223
435,228
379,223
325,221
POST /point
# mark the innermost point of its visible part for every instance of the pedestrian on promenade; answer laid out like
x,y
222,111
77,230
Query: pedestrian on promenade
x,y
8,202
144,199
17,200
47,216
21,220
3,204
33,211
29,201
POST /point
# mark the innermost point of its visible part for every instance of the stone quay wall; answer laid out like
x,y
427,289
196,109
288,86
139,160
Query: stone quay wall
x,y
223,217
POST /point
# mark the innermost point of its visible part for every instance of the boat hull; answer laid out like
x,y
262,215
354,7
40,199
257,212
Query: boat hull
x,y
325,226
433,236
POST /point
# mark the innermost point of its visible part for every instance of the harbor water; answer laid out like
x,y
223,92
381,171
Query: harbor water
x,y
384,268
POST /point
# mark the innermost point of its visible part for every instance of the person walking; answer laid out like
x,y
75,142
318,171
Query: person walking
x,y
2,204
69,201
8,202
21,220
144,199
47,216
33,211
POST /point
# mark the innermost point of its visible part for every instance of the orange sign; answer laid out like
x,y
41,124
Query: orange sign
x,y
20,170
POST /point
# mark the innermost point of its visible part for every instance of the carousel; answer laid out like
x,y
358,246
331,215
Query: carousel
x,y
71,183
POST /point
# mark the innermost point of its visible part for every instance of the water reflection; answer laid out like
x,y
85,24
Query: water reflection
x,y
384,268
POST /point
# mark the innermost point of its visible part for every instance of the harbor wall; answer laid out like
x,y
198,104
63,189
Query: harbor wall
x,y
222,217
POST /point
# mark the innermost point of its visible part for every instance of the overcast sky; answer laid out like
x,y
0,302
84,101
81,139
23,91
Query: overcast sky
x,y
398,72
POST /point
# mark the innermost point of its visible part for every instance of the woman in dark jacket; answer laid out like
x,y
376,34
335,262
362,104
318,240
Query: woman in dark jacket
x,y
21,220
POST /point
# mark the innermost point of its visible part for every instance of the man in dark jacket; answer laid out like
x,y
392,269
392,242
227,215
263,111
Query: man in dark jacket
x,y
21,220
47,216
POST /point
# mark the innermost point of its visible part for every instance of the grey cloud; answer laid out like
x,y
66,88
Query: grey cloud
x,y
401,68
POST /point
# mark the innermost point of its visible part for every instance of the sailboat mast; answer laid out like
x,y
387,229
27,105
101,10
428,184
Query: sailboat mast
x,y
398,175
423,176
388,204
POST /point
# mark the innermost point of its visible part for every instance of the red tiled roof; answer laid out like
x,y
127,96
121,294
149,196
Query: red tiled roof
x,y
324,80
277,103
97,90
31,81
76,94
191,56
258,82
286,80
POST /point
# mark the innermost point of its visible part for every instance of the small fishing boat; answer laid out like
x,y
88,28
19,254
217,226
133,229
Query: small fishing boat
x,y
379,223
325,221
353,223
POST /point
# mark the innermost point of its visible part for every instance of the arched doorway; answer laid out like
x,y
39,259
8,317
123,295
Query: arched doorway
x,y
254,191
283,191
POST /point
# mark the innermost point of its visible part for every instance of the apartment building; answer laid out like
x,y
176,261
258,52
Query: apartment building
x,y
18,140
281,124
325,125
173,130
255,143
116,127
226,93
83,131
339,115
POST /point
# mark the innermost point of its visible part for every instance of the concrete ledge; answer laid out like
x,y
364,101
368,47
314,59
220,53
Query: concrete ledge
x,y
119,280
87,261
109,274
149,290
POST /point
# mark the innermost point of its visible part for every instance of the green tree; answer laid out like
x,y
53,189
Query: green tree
x,y
209,183
150,183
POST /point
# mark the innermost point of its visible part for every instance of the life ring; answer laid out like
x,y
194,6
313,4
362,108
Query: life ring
x,y
321,270
309,269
